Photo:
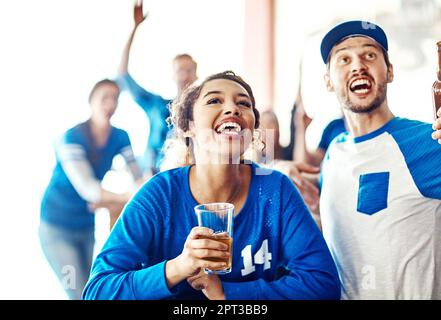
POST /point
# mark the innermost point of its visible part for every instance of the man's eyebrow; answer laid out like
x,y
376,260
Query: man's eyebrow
x,y
341,49
364,45
371,45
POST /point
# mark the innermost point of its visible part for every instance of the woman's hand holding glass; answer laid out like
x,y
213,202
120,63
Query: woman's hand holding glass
x,y
196,255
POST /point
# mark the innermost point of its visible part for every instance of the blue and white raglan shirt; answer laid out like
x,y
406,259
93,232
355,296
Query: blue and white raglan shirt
x,y
156,109
65,201
381,211
278,251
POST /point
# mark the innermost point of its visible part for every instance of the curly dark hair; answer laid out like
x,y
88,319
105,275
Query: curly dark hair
x,y
181,109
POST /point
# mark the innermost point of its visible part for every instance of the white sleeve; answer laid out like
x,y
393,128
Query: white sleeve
x,y
130,160
79,172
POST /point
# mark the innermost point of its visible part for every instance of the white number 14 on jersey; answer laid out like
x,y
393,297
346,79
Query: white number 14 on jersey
x,y
263,256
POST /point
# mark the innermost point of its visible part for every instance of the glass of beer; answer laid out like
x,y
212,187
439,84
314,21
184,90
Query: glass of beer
x,y
218,217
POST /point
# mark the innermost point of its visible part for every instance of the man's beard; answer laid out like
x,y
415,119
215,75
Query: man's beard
x,y
378,101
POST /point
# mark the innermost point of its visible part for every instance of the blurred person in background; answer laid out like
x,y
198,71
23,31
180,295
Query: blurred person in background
x,y
302,121
273,155
155,106
269,125
84,155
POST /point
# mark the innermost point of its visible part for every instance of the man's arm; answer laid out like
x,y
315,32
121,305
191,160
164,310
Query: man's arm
x,y
139,17
145,99
80,174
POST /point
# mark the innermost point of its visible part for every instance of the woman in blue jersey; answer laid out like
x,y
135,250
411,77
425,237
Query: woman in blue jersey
x,y
84,155
156,250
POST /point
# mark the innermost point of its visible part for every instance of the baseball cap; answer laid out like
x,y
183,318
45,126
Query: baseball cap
x,y
352,29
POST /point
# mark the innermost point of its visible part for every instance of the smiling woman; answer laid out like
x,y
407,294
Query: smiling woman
x,y
156,250
231,133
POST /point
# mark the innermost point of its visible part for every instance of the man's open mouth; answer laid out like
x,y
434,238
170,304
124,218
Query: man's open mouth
x,y
361,86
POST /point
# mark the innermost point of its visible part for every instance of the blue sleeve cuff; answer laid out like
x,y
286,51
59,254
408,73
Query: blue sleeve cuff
x,y
150,283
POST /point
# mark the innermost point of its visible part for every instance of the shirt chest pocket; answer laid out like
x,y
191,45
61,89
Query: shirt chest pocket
x,y
372,192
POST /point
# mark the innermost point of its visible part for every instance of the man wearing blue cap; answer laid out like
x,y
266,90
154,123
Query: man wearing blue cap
x,y
381,181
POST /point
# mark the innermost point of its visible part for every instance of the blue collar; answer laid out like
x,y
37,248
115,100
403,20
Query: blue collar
x,y
373,134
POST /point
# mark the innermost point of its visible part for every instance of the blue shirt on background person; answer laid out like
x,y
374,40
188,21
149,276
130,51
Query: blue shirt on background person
x,y
332,130
62,205
156,109
84,154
